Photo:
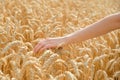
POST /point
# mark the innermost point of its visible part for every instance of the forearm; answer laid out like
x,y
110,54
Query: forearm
x,y
99,28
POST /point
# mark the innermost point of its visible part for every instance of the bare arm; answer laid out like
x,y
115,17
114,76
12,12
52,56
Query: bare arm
x,y
101,27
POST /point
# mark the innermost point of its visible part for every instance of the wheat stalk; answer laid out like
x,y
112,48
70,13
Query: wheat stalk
x,y
70,76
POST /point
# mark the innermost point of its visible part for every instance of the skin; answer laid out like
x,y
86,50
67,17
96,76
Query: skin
x,y
96,29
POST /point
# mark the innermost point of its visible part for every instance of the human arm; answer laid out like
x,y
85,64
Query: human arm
x,y
101,27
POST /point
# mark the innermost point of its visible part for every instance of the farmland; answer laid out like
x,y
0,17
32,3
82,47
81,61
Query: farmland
x,y
23,23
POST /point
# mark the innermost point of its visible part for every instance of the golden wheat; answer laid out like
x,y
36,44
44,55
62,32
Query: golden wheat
x,y
23,23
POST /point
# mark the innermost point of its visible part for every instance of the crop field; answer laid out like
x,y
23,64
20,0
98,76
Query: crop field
x,y
23,23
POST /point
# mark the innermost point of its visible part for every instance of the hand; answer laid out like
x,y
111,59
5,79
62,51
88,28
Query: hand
x,y
49,43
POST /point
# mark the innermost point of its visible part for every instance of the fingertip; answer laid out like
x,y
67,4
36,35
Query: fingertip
x,y
42,49
34,50
38,47
47,47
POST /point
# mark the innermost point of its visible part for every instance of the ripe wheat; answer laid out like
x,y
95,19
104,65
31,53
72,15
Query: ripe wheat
x,y
23,23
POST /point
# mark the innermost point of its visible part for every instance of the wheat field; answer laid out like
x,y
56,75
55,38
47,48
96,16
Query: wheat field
x,y
24,22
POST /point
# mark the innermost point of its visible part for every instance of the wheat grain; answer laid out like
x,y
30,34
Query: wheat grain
x,y
9,45
23,23
60,77
100,74
70,76
116,75
50,61
44,56
15,70
75,67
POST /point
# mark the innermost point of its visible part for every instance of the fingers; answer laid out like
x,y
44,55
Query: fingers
x,y
41,46
45,48
38,46
46,44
